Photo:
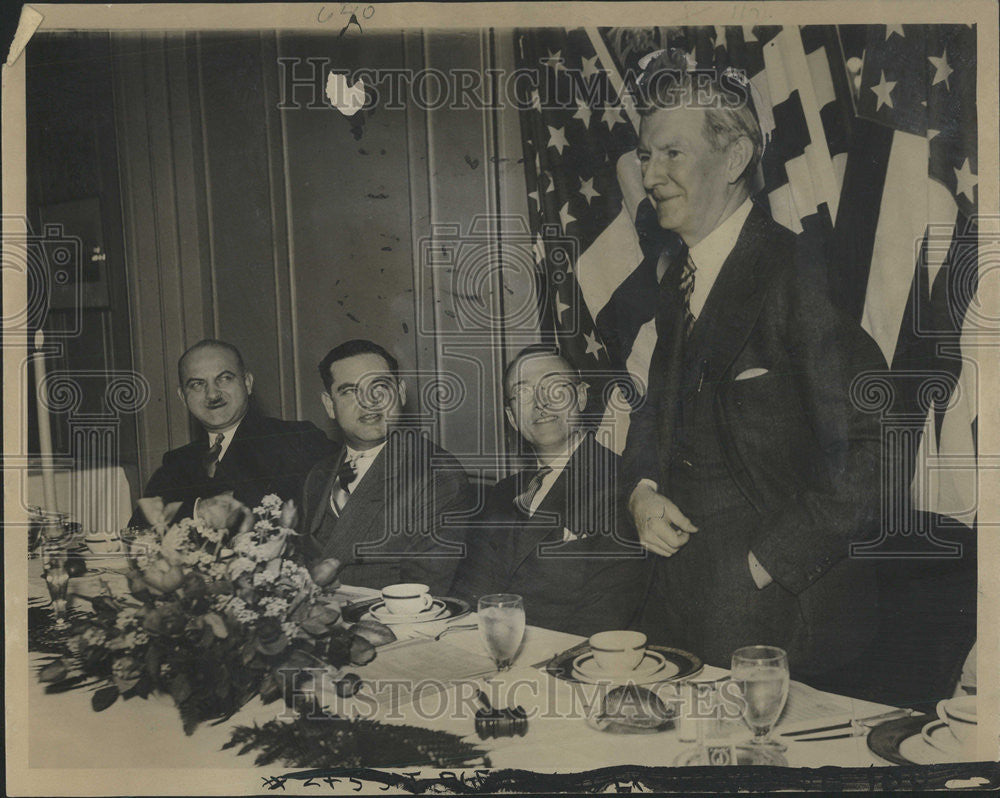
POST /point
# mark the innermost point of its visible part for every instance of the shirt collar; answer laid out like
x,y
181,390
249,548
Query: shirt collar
x,y
227,436
711,252
558,463
365,454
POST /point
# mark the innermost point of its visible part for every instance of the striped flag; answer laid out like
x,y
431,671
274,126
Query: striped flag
x,y
585,198
885,190
913,183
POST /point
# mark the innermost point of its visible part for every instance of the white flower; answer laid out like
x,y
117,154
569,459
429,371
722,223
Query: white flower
x,y
273,606
269,504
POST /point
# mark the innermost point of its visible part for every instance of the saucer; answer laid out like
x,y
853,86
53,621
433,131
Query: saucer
x,y
653,667
937,734
381,614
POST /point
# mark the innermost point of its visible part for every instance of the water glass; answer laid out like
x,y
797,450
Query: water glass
x,y
501,626
761,673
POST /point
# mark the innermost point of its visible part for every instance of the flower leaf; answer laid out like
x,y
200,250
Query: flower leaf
x,y
53,672
104,698
179,688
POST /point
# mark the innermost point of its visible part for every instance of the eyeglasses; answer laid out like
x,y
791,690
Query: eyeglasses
x,y
554,392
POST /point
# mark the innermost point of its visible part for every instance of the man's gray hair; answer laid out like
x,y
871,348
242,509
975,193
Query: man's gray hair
x,y
668,81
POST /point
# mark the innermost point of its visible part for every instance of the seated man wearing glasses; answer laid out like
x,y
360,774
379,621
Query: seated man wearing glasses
x,y
554,532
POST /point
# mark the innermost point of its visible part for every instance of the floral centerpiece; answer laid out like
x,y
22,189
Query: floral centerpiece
x,y
215,617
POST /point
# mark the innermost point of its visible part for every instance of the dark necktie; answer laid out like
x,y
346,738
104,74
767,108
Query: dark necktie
x,y
211,458
346,474
523,500
686,288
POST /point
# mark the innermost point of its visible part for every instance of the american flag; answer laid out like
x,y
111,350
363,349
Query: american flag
x,y
865,181
914,226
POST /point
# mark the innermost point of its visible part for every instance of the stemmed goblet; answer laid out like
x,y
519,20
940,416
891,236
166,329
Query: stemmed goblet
x,y
56,579
761,673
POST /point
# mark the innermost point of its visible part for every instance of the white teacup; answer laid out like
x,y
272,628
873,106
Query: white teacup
x,y
104,543
960,715
407,598
619,651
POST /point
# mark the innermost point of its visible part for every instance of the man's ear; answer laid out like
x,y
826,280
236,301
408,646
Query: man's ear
x,y
510,417
401,388
180,393
328,405
581,396
738,158
248,382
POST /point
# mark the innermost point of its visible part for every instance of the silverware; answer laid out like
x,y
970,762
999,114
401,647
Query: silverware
x,y
455,628
579,647
831,737
857,726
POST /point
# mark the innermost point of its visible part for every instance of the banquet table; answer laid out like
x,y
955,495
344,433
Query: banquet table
x,y
435,681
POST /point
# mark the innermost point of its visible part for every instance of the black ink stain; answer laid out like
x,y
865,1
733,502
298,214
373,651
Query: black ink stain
x,y
380,195
353,318
352,21
472,162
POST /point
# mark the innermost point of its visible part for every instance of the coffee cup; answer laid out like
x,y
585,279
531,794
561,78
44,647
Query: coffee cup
x,y
104,543
618,651
408,598
960,715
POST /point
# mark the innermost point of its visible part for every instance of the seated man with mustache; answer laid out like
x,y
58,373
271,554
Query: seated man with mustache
x,y
554,533
239,455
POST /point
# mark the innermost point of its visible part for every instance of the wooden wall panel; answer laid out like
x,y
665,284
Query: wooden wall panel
x,y
236,147
287,231
349,216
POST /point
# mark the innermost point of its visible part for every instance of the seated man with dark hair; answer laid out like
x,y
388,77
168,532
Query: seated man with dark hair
x,y
379,505
554,533
238,450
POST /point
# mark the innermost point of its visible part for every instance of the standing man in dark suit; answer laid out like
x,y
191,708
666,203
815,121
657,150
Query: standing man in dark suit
x,y
749,471
380,505
239,455
552,532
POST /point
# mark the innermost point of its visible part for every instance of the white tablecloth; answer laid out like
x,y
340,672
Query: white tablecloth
x,y
64,731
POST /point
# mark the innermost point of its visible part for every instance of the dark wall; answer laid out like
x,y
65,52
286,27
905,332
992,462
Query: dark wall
x,y
73,188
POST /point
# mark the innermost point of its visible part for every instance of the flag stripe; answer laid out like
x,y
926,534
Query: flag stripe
x,y
856,220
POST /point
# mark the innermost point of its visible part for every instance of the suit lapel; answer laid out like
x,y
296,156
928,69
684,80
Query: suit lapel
x,y
323,497
555,502
736,299
370,490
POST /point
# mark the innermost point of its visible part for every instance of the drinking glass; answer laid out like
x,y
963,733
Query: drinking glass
x,y
57,580
501,625
761,672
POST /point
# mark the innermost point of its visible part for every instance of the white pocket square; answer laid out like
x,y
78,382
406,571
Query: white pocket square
x,y
749,374
569,536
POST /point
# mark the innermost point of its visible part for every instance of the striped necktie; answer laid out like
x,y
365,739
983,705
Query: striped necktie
x,y
523,500
346,474
686,288
210,460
